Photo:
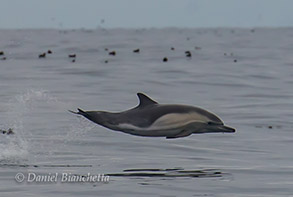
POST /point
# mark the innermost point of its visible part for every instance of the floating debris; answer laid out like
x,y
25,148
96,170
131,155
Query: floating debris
x,y
49,51
235,60
7,132
1,52
188,53
176,172
197,48
43,55
73,61
3,58
112,53
136,51
106,61
172,48
72,55
269,126
165,59
106,49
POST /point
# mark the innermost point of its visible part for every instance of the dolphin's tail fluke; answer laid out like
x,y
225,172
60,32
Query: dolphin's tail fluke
x,y
86,114
91,115
80,112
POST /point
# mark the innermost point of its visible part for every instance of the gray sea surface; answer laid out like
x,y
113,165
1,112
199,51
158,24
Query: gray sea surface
x,y
245,76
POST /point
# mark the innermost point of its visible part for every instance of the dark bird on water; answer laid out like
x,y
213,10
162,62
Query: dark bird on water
x,y
72,55
136,51
188,53
112,53
43,55
7,132
165,59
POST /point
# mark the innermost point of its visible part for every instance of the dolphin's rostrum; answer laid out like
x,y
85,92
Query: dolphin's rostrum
x,y
152,119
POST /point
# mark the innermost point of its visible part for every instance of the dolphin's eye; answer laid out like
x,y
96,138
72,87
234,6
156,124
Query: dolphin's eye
x,y
210,123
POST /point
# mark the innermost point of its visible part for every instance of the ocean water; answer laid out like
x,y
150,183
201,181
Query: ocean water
x,y
245,76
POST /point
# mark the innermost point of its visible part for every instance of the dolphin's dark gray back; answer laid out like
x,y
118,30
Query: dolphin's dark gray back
x,y
143,115
148,111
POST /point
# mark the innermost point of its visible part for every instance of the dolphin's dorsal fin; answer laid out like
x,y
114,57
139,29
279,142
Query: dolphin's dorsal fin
x,y
144,100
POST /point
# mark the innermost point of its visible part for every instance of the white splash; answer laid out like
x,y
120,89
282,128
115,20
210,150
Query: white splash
x,y
16,148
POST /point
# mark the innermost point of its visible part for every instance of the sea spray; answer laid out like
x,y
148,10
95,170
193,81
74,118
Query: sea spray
x,y
39,131
16,148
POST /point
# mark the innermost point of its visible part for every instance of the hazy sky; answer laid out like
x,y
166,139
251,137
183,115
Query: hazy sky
x,y
144,13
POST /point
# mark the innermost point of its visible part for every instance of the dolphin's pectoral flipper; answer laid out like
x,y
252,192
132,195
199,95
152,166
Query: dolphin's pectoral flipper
x,y
183,133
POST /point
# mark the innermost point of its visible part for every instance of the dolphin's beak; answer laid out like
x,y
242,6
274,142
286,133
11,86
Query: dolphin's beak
x,y
225,129
218,129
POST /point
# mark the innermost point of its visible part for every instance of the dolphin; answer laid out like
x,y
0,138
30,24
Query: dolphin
x,y
149,118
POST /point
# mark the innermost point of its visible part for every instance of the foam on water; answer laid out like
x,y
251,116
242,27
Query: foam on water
x,y
13,149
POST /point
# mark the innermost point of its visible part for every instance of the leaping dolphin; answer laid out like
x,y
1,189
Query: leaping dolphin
x,y
152,119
